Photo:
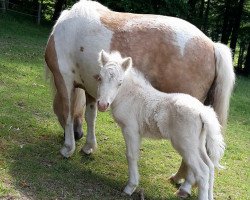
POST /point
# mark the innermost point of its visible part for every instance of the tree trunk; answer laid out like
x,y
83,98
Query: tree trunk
x,y
241,55
3,6
206,17
236,26
39,12
201,11
226,30
58,8
247,62
191,11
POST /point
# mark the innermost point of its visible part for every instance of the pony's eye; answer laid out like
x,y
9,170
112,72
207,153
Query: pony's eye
x,y
99,79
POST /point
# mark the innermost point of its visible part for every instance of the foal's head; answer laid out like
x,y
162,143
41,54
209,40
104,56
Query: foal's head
x,y
110,78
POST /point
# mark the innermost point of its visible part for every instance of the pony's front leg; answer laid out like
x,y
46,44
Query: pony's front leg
x,y
133,140
90,117
69,141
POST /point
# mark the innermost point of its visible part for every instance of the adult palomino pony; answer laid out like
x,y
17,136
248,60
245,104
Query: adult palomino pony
x,y
172,54
142,111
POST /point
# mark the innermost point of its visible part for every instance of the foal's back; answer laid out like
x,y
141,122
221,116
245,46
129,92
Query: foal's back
x,y
158,114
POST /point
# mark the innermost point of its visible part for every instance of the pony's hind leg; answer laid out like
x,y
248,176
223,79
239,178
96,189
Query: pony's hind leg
x,y
181,174
79,108
90,117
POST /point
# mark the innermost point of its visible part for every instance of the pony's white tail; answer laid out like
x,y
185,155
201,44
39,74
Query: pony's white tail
x,y
224,82
215,144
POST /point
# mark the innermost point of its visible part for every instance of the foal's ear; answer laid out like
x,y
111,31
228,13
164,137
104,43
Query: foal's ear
x,y
126,63
103,58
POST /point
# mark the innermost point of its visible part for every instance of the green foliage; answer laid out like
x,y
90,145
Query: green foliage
x,y
30,137
175,8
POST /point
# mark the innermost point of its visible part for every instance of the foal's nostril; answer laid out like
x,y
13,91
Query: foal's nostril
x,y
107,104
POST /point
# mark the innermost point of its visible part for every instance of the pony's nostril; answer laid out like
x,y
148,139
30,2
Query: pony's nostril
x,y
98,102
107,104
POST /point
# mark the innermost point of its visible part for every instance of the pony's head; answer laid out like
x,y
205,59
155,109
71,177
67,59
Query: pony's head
x,y
110,78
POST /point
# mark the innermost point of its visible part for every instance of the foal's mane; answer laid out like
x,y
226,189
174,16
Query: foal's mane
x,y
133,73
138,77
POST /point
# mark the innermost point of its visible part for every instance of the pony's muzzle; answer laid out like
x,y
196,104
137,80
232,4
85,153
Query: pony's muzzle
x,y
102,106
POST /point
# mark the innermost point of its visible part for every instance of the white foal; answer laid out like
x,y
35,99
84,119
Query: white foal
x,y
141,110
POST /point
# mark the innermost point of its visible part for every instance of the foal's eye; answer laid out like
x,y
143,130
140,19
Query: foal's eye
x,y
120,83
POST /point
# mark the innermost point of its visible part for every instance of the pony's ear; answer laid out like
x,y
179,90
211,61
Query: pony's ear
x,y
103,58
126,63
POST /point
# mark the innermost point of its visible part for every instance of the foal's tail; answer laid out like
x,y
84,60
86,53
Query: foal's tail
x,y
214,139
219,95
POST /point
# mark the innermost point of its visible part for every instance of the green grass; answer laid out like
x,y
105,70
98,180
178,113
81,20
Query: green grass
x,y
30,137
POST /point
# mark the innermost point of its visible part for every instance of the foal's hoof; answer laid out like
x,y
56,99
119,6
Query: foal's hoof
x,y
78,135
182,194
67,151
89,148
129,189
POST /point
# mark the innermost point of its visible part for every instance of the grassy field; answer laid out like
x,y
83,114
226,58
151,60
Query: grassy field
x,y
30,137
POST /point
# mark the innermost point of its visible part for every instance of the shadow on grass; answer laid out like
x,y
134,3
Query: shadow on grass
x,y
39,172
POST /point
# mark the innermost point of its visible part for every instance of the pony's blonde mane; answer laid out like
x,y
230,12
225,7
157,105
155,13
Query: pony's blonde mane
x,y
87,7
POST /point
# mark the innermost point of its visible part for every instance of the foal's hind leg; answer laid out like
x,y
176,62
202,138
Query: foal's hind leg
x,y
184,190
201,175
90,116
190,152
210,165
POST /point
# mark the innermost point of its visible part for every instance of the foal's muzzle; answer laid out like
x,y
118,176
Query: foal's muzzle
x,y
102,106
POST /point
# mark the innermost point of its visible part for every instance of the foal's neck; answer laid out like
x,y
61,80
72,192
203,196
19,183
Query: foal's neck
x,y
135,87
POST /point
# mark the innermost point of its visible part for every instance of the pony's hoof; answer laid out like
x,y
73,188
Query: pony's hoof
x,y
174,181
129,189
182,194
89,148
78,135
67,151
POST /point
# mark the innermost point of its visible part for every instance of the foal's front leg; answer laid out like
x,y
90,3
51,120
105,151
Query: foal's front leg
x,y
90,117
133,140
